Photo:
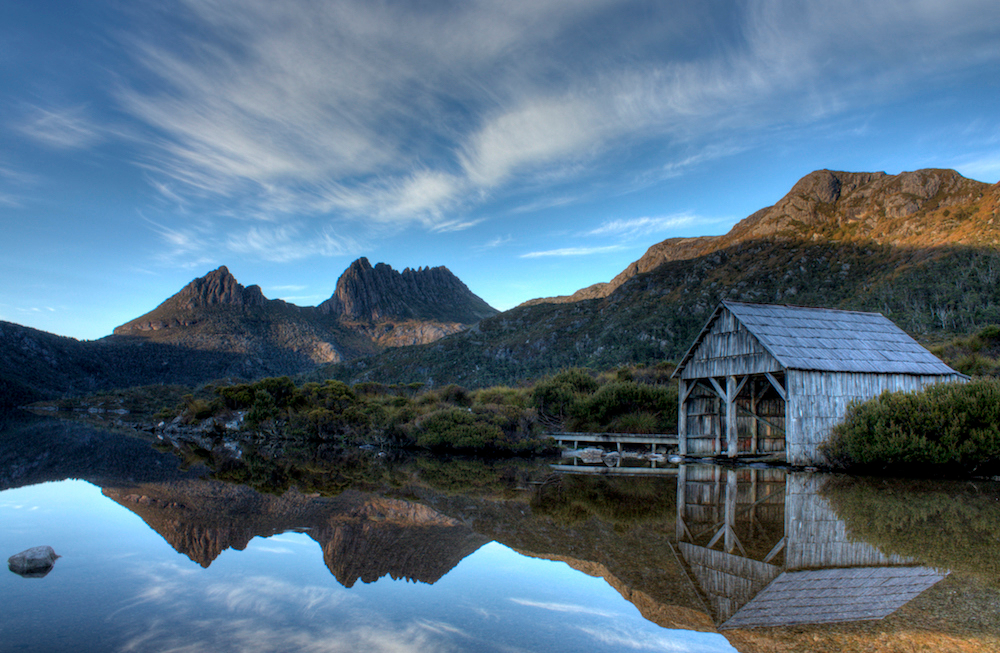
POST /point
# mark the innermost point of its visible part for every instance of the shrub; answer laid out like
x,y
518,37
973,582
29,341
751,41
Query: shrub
x,y
945,425
620,398
502,396
454,428
560,396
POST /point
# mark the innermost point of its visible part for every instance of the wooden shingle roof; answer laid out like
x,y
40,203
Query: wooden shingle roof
x,y
830,340
834,595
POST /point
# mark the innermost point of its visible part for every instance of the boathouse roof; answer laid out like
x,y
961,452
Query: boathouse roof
x,y
828,340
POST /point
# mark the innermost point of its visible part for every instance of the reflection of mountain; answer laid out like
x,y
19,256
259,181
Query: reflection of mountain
x,y
376,536
362,536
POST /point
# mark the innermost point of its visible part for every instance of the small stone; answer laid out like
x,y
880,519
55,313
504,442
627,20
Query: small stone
x,y
34,562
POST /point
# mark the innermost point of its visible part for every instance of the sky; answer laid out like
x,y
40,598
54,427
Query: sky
x,y
533,147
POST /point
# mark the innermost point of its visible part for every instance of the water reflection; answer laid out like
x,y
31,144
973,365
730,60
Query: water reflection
x,y
774,561
767,549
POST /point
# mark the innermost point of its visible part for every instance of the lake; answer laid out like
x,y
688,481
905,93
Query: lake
x,y
191,550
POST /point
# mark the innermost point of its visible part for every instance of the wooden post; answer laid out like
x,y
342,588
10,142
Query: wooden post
x,y
682,445
731,440
681,500
731,487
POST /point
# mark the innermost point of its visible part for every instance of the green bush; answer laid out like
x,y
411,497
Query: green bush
x,y
560,396
454,428
945,426
620,398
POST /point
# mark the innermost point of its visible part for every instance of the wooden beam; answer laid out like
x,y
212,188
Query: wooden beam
x,y
777,386
739,388
775,550
718,388
761,419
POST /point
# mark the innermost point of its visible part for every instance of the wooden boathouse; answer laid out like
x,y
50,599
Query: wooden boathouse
x,y
762,379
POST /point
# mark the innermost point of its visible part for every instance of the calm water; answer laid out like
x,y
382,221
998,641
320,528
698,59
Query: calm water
x,y
372,554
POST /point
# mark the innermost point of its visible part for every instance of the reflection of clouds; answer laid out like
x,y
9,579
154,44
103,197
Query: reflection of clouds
x,y
264,595
565,607
251,636
679,641
262,613
273,549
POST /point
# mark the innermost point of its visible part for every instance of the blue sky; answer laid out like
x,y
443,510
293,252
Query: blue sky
x,y
533,147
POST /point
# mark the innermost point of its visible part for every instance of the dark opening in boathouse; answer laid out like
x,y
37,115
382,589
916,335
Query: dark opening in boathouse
x,y
763,379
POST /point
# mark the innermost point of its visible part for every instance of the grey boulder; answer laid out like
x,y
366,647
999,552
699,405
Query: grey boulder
x,y
34,562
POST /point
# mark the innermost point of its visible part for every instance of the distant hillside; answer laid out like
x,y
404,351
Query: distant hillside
x,y
214,327
919,247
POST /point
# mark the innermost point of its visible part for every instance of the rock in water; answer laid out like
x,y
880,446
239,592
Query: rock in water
x,y
34,562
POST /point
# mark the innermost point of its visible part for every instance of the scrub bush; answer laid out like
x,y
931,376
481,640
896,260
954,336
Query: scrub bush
x,y
947,425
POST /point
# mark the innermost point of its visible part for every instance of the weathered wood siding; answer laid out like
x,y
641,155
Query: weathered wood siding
x,y
818,401
728,349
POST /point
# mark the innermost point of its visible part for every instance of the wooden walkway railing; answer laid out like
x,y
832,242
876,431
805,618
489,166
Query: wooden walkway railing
x,y
618,439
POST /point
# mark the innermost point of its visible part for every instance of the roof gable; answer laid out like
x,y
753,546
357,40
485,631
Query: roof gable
x,y
829,340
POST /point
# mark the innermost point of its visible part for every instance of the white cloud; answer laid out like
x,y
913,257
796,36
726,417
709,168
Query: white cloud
x,y
574,251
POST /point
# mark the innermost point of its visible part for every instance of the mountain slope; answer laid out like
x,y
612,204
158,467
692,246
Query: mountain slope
x,y
919,247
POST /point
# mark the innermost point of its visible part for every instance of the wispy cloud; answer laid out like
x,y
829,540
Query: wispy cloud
x,y
498,241
574,251
412,114
288,243
643,226
66,128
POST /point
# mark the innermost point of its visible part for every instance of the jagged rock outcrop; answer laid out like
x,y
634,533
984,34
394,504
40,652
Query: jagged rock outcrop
x,y
380,293
219,287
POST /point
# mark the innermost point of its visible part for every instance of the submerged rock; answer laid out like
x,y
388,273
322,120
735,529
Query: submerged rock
x,y
35,562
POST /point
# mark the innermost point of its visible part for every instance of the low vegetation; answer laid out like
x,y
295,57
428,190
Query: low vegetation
x,y
953,427
956,526
499,420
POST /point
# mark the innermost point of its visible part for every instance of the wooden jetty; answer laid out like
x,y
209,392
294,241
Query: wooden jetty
x,y
617,439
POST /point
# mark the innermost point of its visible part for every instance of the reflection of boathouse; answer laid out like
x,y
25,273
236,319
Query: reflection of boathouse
x,y
775,379
766,551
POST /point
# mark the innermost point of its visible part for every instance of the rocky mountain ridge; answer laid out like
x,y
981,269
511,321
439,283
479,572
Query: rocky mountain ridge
x,y
922,247
380,293
214,327
908,209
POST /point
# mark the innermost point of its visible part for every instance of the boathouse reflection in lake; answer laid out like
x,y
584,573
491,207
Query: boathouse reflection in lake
x,y
766,549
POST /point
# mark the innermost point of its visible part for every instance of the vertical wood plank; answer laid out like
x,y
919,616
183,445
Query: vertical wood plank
x,y
731,440
682,447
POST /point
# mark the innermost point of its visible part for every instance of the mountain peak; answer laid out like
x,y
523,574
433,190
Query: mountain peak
x,y
218,287
381,293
